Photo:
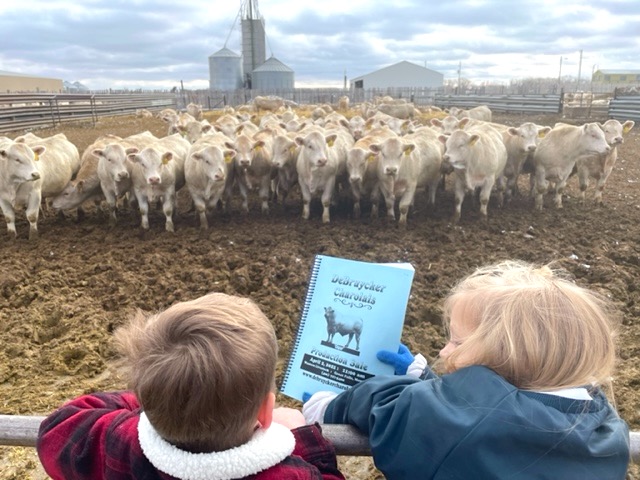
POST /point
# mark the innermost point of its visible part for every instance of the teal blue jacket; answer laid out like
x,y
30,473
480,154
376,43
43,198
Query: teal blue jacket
x,y
473,424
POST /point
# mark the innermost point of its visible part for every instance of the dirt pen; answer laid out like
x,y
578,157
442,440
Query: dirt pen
x,y
62,295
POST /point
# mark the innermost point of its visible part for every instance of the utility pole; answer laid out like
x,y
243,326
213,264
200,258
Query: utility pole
x,y
579,72
560,72
459,72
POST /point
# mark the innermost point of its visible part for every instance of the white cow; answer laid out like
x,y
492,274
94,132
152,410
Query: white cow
x,y
270,103
478,157
449,124
481,112
194,129
403,111
157,173
362,168
252,166
559,151
521,142
56,160
227,124
321,163
114,169
599,167
208,171
405,164
195,110
85,185
284,156
18,173
176,120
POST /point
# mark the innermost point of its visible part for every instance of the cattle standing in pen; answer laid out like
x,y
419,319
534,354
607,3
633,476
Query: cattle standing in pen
x,y
351,326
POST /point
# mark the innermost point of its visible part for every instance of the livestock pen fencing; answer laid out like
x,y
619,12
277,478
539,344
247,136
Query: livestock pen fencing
x,y
22,431
41,110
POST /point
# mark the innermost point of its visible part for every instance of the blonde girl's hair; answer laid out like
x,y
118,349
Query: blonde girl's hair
x,y
534,327
201,369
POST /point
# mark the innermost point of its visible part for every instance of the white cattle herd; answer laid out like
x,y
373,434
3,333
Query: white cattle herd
x,y
381,153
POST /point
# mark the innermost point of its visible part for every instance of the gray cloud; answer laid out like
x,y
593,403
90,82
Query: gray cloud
x,y
142,43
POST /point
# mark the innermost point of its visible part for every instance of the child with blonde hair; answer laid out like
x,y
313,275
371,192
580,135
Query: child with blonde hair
x,y
201,405
521,397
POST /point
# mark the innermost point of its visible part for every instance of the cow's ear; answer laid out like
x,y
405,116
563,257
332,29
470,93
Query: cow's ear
x,y
167,157
543,131
435,122
512,131
131,150
38,151
229,156
628,125
443,139
408,148
331,139
375,148
473,139
463,122
80,186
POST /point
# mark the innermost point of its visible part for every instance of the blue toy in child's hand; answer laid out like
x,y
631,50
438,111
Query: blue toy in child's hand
x,y
400,360
306,396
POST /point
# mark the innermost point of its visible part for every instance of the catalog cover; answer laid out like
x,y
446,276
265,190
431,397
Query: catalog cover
x,y
352,310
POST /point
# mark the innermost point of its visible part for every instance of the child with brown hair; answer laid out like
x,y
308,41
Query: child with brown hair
x,y
201,405
528,353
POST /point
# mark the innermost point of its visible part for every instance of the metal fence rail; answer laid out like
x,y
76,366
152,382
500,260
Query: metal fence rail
x,y
28,111
625,108
550,103
22,431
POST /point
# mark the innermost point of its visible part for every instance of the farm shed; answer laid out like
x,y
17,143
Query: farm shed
x,y
272,75
11,82
625,77
225,70
400,75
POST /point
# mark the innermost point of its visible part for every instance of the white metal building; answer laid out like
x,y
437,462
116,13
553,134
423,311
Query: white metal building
x,y
400,75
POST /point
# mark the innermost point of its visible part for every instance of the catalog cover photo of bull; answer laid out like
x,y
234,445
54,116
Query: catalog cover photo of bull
x,y
339,322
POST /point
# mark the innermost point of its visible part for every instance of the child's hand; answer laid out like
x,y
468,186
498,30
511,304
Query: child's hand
x,y
288,417
400,361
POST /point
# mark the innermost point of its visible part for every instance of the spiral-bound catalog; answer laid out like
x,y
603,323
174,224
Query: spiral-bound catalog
x,y
352,310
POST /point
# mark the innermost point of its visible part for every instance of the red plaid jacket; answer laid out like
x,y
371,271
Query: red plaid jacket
x,y
95,437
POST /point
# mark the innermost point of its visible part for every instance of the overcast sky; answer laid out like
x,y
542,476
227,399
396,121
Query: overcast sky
x,y
156,44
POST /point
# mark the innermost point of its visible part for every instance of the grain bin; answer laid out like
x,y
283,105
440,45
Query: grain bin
x,y
225,70
272,75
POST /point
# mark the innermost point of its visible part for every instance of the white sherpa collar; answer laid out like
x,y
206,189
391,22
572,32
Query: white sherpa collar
x,y
265,449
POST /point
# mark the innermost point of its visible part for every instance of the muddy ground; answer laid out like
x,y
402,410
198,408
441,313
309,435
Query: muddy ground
x,y
62,296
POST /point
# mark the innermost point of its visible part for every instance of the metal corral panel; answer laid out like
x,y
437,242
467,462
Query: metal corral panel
x,y
253,44
400,75
503,103
225,70
625,108
272,75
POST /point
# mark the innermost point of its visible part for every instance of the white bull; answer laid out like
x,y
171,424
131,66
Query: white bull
x,y
351,326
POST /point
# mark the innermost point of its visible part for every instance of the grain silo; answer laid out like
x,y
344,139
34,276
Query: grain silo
x,y
225,70
253,39
273,75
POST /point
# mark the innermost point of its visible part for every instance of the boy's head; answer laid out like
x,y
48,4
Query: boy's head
x,y
202,369
532,325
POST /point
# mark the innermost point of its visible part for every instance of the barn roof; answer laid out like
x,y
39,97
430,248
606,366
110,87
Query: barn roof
x,y
619,72
5,73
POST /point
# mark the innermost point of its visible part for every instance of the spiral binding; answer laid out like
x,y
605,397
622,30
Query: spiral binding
x,y
303,317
